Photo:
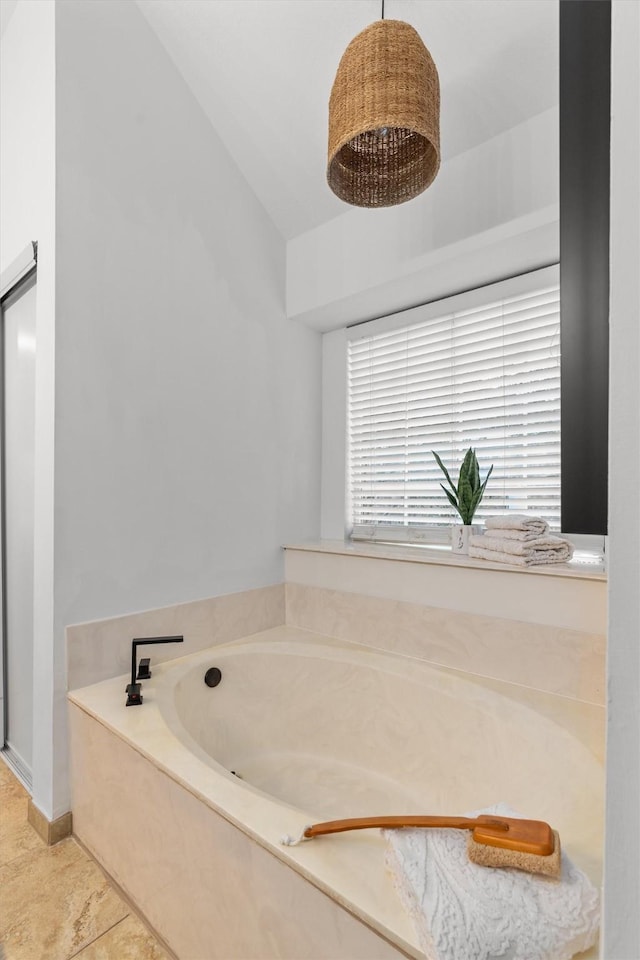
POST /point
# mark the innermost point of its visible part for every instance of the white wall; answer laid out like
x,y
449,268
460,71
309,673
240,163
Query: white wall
x,y
622,847
491,212
27,127
187,406
27,190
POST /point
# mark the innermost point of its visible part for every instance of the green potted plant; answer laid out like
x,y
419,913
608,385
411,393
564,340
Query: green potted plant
x,y
464,498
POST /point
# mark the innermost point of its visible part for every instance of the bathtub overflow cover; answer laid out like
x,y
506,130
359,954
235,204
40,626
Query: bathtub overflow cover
x,y
212,677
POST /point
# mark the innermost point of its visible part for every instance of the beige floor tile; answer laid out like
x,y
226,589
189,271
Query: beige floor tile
x,y
6,776
128,940
53,902
12,790
17,836
8,781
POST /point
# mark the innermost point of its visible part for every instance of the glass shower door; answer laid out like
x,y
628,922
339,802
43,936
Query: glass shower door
x,y
18,436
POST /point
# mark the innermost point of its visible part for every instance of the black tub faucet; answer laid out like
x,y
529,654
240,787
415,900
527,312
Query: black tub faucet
x,y
134,696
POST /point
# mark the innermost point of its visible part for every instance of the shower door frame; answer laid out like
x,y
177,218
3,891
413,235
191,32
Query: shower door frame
x,y
18,276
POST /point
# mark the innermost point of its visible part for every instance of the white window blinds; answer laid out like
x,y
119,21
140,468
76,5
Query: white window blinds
x,y
486,377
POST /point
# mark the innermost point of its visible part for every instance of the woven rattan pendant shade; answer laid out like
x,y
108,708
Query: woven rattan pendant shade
x,y
384,118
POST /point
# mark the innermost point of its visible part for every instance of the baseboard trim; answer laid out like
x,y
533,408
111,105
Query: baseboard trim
x,y
51,831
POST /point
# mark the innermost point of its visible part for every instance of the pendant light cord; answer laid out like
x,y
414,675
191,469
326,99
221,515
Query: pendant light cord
x,y
383,9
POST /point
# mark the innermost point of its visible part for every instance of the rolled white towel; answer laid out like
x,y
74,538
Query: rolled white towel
x,y
461,909
502,533
547,549
517,526
496,556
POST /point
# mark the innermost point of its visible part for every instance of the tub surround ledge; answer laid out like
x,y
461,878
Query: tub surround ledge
x,y
558,660
572,597
102,648
442,555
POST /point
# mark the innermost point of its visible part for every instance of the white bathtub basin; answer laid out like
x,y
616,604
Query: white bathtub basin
x,y
316,729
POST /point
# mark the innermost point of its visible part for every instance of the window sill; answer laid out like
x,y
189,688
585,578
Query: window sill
x,y
442,556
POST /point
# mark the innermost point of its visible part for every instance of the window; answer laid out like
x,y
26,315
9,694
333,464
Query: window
x,y
477,370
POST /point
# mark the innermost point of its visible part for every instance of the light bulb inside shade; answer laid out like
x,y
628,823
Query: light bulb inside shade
x,y
382,131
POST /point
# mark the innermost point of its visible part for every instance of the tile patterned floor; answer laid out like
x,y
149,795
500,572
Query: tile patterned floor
x,y
55,902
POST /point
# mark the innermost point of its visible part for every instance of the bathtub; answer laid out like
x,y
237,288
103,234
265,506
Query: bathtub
x,y
184,800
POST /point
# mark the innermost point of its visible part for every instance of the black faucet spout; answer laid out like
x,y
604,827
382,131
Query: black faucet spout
x,y
134,695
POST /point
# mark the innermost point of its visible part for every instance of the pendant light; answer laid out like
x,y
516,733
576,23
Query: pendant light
x,y
384,117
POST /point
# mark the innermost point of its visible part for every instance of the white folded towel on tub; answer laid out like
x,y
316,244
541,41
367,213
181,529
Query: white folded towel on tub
x,y
463,911
546,549
517,526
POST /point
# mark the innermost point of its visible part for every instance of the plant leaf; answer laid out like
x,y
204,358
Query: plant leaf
x,y
467,463
452,499
462,478
446,473
489,472
479,494
475,479
466,469
477,497
465,497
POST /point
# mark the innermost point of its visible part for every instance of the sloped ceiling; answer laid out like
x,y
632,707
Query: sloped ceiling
x,y
262,71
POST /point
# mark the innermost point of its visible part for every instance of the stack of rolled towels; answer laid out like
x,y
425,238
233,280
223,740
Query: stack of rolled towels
x,y
519,539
